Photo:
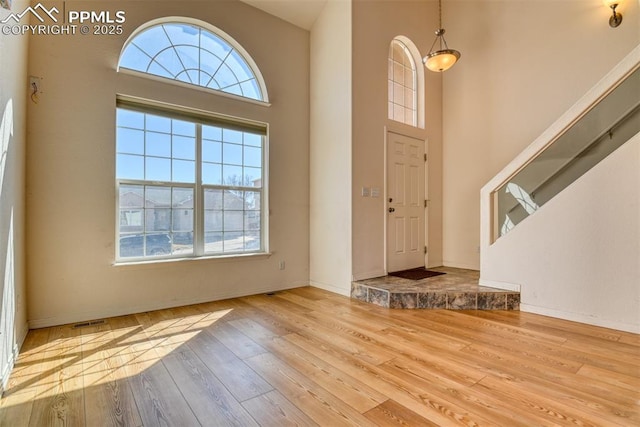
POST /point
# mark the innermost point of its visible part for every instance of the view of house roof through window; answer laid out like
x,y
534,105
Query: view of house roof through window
x,y
193,55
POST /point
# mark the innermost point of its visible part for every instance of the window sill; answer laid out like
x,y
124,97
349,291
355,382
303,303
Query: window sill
x,y
209,258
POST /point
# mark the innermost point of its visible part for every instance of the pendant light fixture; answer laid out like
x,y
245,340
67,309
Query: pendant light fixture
x,y
443,58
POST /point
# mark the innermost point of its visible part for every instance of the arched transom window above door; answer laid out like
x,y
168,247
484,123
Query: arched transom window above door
x,y
405,83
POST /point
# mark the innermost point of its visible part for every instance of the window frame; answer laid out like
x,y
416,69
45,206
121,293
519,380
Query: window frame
x,y
392,81
199,118
416,56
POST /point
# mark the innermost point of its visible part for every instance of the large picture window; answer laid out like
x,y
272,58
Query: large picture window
x,y
189,183
187,187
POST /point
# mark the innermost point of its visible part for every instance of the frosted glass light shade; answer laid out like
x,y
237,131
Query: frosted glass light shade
x,y
441,60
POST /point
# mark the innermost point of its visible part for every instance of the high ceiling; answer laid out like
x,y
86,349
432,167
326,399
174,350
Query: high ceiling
x,y
301,13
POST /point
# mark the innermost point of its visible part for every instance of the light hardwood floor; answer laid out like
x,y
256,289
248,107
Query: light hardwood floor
x,y
308,357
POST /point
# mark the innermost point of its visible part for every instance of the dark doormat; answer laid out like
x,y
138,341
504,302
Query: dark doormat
x,y
416,273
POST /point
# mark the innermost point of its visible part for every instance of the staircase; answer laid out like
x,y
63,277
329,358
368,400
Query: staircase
x,y
598,132
562,220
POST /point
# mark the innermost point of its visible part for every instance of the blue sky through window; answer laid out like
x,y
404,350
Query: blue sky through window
x,y
193,55
156,148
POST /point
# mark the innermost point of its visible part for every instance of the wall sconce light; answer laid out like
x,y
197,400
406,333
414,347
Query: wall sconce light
x,y
616,18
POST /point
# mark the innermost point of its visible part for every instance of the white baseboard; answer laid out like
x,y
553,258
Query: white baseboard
x,y
460,265
581,318
369,275
8,368
68,318
332,288
499,285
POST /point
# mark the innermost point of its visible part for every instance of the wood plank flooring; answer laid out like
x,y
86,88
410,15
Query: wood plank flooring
x,y
309,357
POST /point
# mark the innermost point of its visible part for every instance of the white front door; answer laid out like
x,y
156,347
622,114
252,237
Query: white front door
x,y
405,202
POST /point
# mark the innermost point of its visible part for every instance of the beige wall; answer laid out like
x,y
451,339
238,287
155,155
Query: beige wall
x,y
330,156
71,198
496,101
523,64
13,102
375,24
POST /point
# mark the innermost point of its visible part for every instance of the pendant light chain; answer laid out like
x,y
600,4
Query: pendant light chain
x,y
439,27
440,30
444,58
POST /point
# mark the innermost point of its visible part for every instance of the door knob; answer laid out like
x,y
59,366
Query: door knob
x,y
392,209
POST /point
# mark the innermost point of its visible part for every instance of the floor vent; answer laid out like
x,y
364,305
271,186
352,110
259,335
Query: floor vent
x,y
91,323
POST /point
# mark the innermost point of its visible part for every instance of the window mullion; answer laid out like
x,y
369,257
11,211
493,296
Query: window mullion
x,y
144,219
151,221
198,212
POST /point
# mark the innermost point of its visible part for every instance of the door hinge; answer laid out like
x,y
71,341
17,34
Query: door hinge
x,y
426,203
425,250
425,157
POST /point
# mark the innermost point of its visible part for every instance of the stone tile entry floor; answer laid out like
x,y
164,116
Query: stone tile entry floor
x,y
458,289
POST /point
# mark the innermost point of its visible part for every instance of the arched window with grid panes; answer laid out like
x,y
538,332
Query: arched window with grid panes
x,y
402,84
190,182
191,54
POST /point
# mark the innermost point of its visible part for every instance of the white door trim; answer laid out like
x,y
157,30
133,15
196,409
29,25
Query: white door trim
x,y
385,213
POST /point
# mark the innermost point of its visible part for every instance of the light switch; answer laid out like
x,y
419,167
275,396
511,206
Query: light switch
x,y
375,192
366,191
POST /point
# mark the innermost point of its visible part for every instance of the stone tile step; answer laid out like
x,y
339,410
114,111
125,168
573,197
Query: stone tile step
x,y
458,289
